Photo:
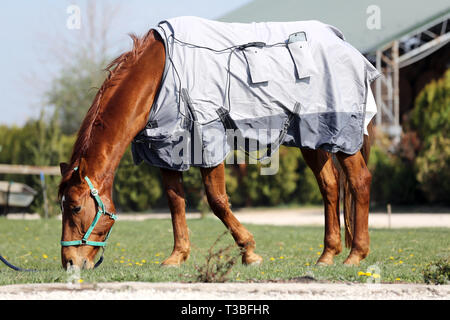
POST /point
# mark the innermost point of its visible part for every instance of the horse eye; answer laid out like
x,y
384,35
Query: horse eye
x,y
76,210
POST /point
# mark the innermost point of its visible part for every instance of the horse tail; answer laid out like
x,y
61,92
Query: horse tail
x,y
348,199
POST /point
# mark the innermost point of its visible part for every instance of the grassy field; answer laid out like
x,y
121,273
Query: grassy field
x,y
136,250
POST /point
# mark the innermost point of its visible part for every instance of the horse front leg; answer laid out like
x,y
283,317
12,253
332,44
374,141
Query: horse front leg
x,y
214,181
173,186
327,177
359,179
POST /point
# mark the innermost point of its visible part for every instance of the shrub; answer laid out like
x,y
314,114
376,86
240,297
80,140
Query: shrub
x,y
433,169
430,118
136,188
393,180
437,272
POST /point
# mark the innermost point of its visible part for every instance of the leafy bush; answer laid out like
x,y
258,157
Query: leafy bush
x,y
293,183
419,170
431,113
437,272
393,180
431,120
433,169
136,188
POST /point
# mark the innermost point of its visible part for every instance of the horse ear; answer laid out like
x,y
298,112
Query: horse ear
x,y
63,167
82,169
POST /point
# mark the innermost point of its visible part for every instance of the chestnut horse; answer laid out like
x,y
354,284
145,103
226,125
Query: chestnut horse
x,y
120,111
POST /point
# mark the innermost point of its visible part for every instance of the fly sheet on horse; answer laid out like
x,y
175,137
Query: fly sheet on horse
x,y
293,83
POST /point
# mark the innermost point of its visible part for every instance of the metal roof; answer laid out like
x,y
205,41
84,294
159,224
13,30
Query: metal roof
x,y
397,17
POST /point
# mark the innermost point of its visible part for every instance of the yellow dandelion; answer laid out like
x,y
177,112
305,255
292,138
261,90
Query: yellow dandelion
x,y
392,258
318,253
397,279
307,264
368,274
411,255
400,262
143,261
320,245
375,275
281,257
123,250
157,255
400,250
361,273
272,259
262,272
413,269
121,261
45,256
80,280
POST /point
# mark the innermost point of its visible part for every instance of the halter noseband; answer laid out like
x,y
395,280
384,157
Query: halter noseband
x,y
100,212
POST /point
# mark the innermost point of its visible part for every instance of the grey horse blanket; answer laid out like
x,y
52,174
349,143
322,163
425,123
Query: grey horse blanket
x,y
252,86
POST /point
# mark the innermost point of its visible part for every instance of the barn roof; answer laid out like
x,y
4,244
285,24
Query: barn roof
x,y
398,18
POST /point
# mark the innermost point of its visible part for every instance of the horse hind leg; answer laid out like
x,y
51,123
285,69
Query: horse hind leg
x,y
173,186
359,180
214,181
327,176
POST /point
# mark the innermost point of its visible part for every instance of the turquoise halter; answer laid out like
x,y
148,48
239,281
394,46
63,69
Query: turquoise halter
x,y
100,212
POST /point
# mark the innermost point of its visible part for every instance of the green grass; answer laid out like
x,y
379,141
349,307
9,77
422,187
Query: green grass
x,y
136,250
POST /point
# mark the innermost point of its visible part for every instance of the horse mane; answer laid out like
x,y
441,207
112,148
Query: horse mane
x,y
117,70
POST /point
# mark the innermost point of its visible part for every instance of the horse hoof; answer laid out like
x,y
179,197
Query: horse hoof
x,y
350,262
170,265
323,264
254,260
255,263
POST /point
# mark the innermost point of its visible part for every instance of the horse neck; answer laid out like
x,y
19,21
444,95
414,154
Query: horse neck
x,y
124,115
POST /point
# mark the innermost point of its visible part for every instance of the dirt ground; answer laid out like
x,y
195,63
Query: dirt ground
x,y
223,291
315,216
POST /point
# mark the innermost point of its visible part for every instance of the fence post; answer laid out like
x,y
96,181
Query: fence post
x,y
44,193
389,212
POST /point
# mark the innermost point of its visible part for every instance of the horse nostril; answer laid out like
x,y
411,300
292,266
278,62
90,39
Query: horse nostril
x,y
70,262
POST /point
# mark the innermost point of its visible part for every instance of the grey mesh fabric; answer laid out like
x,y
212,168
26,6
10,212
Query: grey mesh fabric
x,y
253,86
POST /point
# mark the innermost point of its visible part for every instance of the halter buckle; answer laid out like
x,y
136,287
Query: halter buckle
x,y
94,192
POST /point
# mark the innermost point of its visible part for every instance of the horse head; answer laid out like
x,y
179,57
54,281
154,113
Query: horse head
x,y
87,216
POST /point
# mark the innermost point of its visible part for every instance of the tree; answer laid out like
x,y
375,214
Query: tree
x,y
72,92
431,119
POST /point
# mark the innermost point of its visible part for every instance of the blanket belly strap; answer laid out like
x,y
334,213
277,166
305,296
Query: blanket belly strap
x,y
226,119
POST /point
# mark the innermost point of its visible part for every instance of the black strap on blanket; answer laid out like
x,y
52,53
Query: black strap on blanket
x,y
189,108
230,124
192,125
288,122
226,119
